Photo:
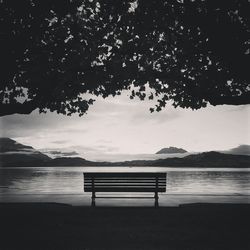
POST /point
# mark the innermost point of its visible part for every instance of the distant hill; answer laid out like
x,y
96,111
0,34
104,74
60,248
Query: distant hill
x,y
7,145
69,161
240,150
203,160
171,150
206,160
13,154
214,160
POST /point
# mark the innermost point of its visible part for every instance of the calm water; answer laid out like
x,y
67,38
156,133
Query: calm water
x,y
69,180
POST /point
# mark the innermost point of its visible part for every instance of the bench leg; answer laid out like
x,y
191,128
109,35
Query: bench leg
x,y
156,199
93,192
93,199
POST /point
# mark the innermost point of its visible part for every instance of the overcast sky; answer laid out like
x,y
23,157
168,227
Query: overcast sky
x,y
123,126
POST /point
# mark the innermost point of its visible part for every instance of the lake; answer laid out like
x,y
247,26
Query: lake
x,y
69,180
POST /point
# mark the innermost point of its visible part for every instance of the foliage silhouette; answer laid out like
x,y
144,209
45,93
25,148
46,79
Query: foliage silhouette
x,y
56,55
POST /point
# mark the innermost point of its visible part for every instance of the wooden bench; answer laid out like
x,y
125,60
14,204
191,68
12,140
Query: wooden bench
x,y
125,182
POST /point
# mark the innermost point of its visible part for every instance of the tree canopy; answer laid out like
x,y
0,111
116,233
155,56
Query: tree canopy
x,y
55,54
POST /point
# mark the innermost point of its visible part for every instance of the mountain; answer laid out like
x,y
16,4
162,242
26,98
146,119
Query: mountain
x,y
9,145
203,160
13,154
209,159
69,161
171,150
240,150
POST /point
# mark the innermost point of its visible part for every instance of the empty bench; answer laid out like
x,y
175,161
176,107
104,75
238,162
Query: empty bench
x,y
125,182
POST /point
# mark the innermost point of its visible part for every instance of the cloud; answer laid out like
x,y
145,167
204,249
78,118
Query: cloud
x,y
109,111
156,117
80,150
104,141
26,125
73,153
116,109
60,141
240,108
120,125
16,126
58,153
54,152
107,149
95,149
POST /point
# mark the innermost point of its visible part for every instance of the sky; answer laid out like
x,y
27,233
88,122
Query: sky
x,y
123,126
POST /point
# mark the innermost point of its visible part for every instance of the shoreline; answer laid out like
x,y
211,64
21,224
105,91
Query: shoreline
x,y
128,168
165,200
125,166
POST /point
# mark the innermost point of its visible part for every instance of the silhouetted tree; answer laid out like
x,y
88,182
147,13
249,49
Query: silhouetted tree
x,y
55,54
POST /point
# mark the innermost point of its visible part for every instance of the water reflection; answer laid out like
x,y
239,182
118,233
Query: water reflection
x,y
66,180
198,182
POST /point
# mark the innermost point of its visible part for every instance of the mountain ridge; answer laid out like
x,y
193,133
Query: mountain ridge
x,y
25,156
13,153
171,150
240,150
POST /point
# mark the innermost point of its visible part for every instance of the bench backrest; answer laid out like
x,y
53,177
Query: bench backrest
x,y
125,182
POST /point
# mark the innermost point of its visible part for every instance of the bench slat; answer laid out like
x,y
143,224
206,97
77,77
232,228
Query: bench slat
x,y
126,186
124,189
125,182
122,175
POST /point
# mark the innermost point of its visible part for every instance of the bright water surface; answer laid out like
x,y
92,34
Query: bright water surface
x,y
69,180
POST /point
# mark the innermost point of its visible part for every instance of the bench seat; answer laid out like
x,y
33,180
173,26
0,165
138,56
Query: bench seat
x,y
125,182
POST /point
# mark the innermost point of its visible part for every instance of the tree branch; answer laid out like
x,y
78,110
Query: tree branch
x,y
230,100
18,108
